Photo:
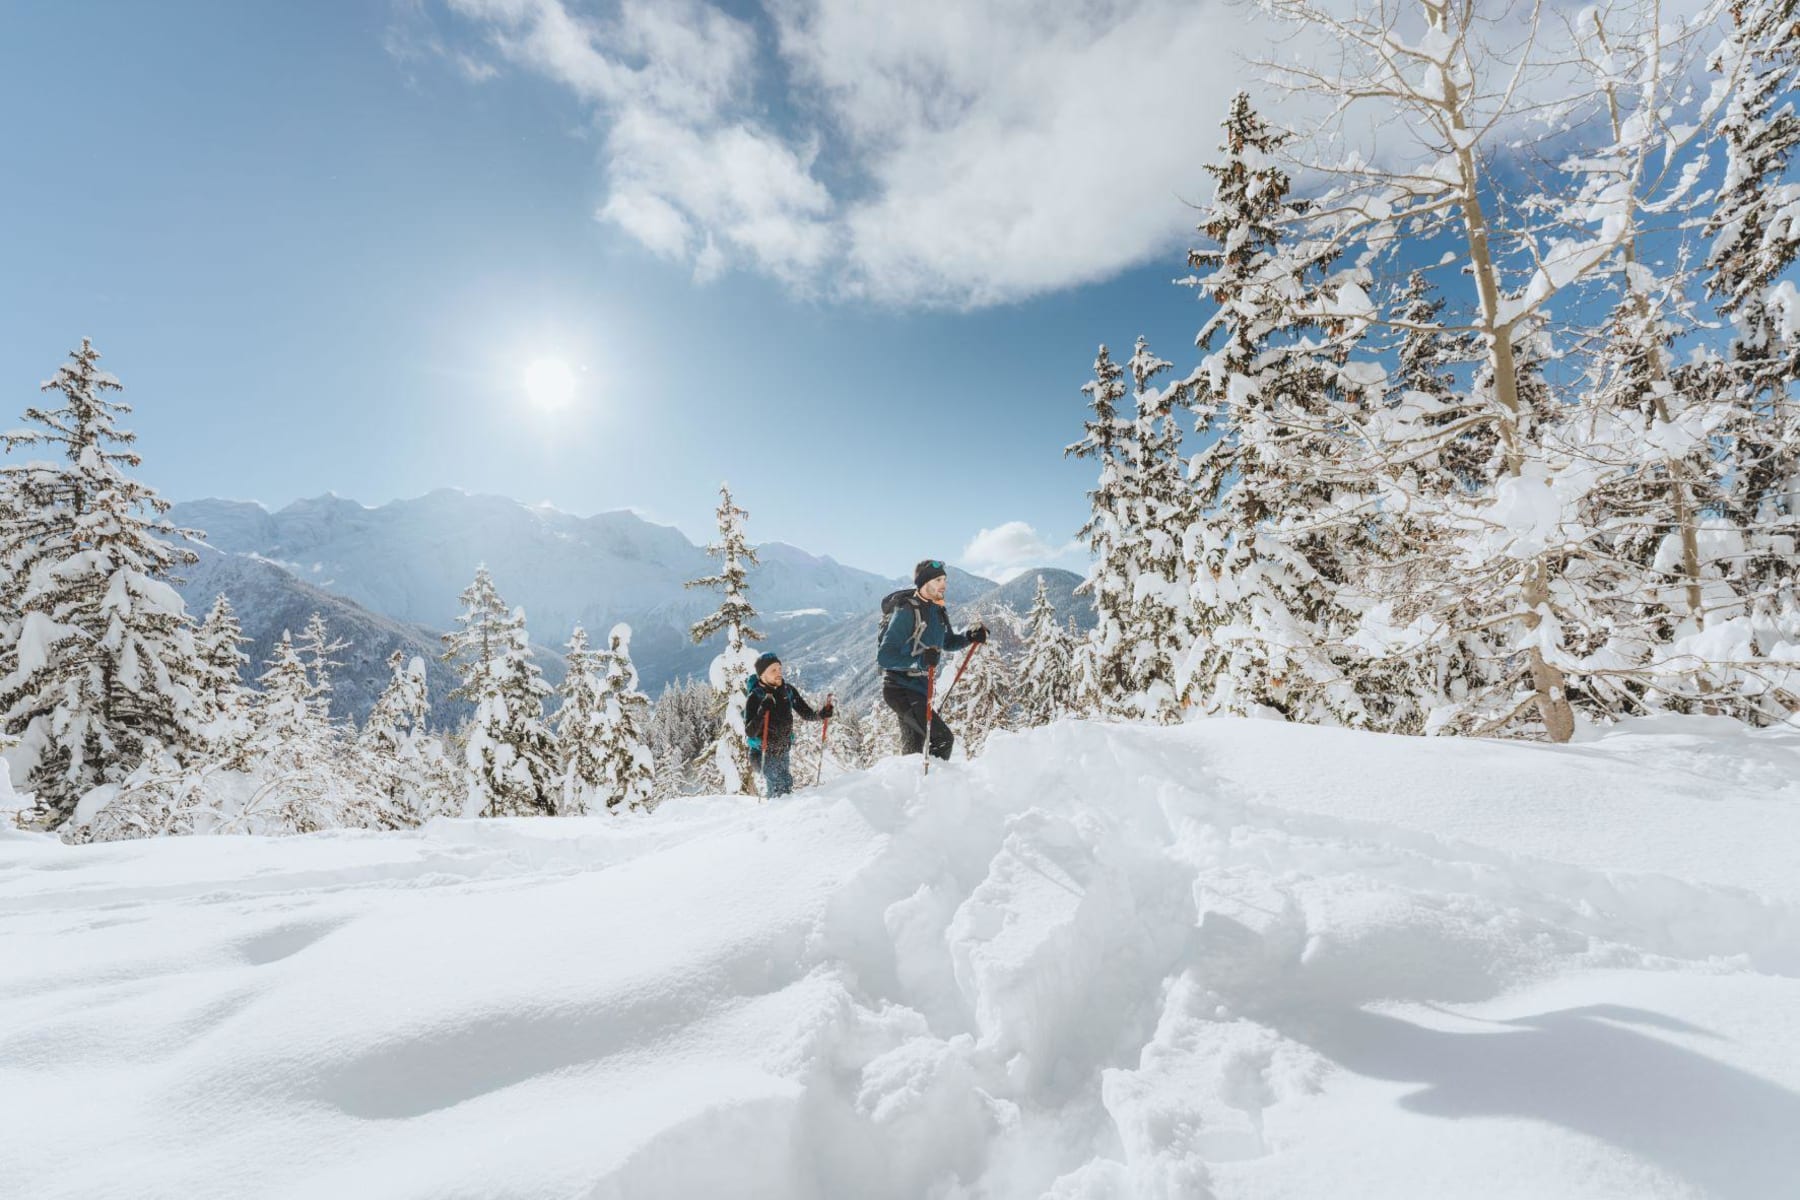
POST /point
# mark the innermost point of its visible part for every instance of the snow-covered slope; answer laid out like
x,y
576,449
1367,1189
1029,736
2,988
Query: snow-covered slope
x,y
1233,959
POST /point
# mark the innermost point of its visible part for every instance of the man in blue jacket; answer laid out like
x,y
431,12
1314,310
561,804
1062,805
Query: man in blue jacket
x,y
916,634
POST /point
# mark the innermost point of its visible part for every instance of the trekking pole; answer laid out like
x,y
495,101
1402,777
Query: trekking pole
x,y
765,754
824,732
960,668
930,679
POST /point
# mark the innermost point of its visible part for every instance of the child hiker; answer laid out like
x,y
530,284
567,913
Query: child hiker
x,y
769,723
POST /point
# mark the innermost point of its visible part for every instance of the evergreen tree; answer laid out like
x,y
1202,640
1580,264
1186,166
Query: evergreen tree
x,y
403,765
1159,507
671,777
849,740
728,766
684,723
295,751
507,748
983,700
578,728
97,657
629,764
316,647
224,703
881,733
1755,227
603,726
1425,383
1046,674
1106,438
1268,552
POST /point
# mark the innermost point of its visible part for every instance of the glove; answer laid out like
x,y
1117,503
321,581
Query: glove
x,y
825,712
978,635
930,656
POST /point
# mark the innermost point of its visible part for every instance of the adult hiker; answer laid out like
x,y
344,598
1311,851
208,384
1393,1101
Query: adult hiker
x,y
769,721
914,638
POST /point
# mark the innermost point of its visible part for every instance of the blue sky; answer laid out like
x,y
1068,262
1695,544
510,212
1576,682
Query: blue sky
x,y
320,243
854,257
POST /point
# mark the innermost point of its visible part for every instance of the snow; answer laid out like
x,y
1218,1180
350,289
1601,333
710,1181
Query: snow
x,y
1229,959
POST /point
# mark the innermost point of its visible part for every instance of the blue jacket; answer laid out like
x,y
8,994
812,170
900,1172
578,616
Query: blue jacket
x,y
915,625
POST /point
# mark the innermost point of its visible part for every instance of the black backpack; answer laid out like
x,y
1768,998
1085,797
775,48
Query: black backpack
x,y
891,602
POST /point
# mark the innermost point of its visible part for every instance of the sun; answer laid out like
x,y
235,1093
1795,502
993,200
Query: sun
x,y
549,383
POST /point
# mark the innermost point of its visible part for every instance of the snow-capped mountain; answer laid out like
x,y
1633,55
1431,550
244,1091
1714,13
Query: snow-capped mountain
x,y
408,561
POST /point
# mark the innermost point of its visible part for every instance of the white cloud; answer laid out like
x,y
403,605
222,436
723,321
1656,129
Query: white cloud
x,y
1017,148
941,154
1009,550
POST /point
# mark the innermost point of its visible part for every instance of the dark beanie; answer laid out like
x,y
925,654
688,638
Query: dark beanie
x,y
927,571
763,663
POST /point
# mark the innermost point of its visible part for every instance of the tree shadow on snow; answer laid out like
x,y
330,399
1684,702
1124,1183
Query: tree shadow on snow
x,y
1588,1070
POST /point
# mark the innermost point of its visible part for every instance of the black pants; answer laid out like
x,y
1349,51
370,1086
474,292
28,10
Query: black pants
x,y
909,706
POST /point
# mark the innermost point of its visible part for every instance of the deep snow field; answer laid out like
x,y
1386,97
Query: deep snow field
x,y
1232,959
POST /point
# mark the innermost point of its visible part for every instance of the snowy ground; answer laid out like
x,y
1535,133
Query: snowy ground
x,y
1235,959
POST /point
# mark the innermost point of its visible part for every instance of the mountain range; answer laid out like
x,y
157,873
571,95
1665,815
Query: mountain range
x,y
388,577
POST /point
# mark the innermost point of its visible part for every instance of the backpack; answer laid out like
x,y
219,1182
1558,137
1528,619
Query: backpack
x,y
890,603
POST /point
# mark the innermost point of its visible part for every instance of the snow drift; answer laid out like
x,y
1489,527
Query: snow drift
x,y
1228,959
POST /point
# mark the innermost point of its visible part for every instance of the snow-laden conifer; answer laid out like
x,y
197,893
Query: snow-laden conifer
x,y
507,748
97,657
578,728
1269,551
1046,669
727,766
1106,438
608,764
983,701
224,702
1159,506
403,765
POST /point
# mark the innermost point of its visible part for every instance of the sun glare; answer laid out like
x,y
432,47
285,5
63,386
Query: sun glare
x,y
549,383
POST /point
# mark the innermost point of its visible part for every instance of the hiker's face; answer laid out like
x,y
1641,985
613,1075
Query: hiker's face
x,y
772,675
934,590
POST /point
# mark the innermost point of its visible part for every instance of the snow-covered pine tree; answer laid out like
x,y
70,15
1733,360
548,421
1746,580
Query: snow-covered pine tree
x,y
578,729
684,722
1425,691
848,746
1159,507
881,733
1427,361
224,709
317,648
401,763
627,765
97,657
1755,220
983,701
1755,227
295,753
1269,550
1046,671
1085,699
728,765
507,748
1106,438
